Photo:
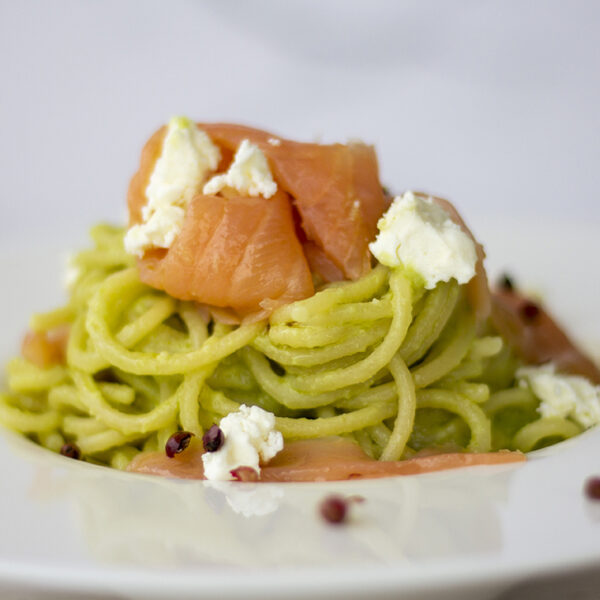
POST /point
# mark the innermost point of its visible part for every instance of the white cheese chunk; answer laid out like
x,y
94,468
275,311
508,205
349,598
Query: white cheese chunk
x,y
561,395
187,156
249,174
250,437
420,235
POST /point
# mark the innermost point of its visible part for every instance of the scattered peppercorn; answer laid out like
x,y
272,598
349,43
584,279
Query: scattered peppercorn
x,y
178,442
71,450
592,488
213,439
530,311
244,474
334,509
506,283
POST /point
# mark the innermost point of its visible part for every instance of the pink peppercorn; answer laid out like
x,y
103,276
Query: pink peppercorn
x,y
178,442
592,488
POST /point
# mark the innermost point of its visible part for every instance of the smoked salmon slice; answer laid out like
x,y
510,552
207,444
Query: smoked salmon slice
x,y
327,459
334,200
536,337
46,348
337,459
136,194
237,252
320,264
335,188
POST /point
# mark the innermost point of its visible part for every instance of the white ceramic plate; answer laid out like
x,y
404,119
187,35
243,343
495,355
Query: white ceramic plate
x,y
69,529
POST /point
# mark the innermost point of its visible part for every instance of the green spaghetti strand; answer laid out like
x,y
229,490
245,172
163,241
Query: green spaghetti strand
x,y
140,363
311,336
281,388
25,421
448,353
188,403
96,404
132,333
121,458
385,393
25,377
405,416
378,359
331,380
355,312
380,434
532,434
429,322
303,428
82,426
50,320
514,397
312,357
321,303
471,413
105,440
52,440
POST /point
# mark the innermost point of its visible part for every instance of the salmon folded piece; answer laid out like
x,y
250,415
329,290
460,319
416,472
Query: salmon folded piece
x,y
338,459
46,348
238,252
327,459
320,264
536,337
136,194
335,188
235,252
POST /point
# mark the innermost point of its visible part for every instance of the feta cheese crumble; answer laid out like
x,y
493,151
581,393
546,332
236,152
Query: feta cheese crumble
x,y
561,395
249,174
188,155
250,437
419,234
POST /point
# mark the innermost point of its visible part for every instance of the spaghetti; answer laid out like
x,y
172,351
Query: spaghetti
x,y
277,302
398,369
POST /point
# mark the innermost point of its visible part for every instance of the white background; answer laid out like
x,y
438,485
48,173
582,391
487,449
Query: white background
x,y
492,104
495,105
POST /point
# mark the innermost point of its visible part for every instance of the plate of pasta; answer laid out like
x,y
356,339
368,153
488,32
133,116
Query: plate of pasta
x,y
273,330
